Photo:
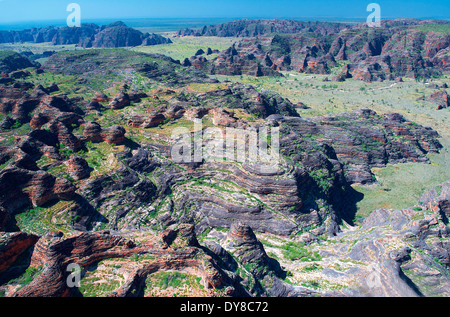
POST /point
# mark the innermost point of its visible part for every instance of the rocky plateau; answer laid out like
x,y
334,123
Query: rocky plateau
x,y
89,179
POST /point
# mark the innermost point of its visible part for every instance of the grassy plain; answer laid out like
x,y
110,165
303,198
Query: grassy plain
x,y
185,47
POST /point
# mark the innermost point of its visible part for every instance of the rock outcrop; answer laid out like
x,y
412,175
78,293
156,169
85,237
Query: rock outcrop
x,y
22,188
440,98
78,168
11,61
221,227
252,28
247,248
93,132
438,199
95,65
397,49
117,34
53,254
12,246
230,62
405,256
121,100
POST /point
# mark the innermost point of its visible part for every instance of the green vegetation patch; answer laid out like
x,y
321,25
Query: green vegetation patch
x,y
27,277
437,28
185,47
173,283
41,220
295,251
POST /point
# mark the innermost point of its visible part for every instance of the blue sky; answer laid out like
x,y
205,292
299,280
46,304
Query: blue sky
x,y
34,10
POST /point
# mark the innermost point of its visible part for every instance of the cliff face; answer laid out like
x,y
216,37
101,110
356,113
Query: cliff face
x,y
88,35
400,48
252,28
12,245
119,35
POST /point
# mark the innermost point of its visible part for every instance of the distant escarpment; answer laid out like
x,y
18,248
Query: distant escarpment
x,y
87,35
399,48
252,28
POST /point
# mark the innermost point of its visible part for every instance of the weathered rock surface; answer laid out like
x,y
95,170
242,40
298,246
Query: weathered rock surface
x,y
101,63
88,35
251,28
93,132
397,49
12,246
232,62
438,198
11,61
405,257
21,188
363,139
121,100
167,216
78,168
53,254
440,98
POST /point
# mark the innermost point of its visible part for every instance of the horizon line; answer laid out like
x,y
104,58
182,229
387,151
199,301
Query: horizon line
x,y
305,18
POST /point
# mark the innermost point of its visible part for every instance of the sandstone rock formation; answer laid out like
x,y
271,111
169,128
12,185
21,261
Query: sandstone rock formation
x,y
88,35
251,28
98,64
95,133
440,98
121,100
22,187
71,169
398,49
78,168
11,61
12,246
